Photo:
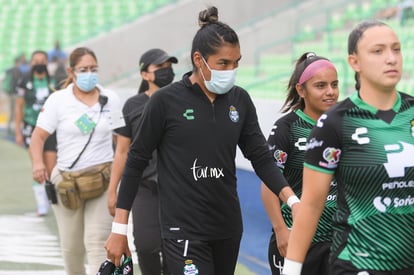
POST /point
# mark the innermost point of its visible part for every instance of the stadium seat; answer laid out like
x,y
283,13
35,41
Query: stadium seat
x,y
37,24
332,44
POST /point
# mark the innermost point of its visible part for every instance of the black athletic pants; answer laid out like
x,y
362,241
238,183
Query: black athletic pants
x,y
147,234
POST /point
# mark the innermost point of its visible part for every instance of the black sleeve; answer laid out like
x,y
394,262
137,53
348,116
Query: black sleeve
x,y
279,140
132,112
21,85
324,147
126,110
150,132
255,148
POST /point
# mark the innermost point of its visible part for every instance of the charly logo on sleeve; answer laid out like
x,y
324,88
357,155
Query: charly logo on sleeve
x,y
319,123
205,172
273,130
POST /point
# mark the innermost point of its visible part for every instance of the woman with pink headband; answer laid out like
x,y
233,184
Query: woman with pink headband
x,y
312,90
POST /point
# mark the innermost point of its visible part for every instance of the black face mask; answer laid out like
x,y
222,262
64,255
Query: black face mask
x,y
163,76
39,68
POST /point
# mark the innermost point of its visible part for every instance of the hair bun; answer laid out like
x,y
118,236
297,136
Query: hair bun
x,y
208,16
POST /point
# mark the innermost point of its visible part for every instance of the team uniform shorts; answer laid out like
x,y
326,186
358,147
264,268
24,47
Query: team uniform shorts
x,y
316,261
341,267
218,257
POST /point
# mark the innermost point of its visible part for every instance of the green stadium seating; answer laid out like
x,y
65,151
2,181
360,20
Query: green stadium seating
x,y
27,25
331,43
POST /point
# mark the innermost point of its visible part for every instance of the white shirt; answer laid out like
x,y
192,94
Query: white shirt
x,y
60,113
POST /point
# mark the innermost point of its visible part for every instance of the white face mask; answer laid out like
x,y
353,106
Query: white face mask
x,y
221,81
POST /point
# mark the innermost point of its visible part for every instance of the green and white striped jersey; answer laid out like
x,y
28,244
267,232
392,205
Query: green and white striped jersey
x,y
371,154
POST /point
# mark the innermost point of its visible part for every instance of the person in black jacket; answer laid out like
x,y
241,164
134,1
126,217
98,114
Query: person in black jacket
x,y
156,72
196,125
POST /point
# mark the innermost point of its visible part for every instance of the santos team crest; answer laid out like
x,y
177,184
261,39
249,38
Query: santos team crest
x,y
190,268
233,114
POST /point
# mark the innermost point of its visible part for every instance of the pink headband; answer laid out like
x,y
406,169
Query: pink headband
x,y
313,68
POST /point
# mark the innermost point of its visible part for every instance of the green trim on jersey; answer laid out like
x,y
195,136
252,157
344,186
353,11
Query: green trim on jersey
x,y
305,117
317,168
363,105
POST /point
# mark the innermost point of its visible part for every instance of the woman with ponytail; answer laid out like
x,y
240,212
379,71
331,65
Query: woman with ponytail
x,y
312,90
196,125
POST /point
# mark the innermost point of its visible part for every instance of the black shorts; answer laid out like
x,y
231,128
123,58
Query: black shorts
x,y
316,261
50,143
218,257
275,259
341,267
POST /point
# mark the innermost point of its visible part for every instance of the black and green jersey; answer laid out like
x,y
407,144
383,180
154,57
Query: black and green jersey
x,y
371,153
287,142
34,92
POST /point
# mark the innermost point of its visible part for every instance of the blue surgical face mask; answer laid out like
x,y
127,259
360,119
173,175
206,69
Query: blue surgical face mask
x,y
221,80
86,81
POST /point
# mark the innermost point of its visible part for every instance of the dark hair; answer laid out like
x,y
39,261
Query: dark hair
x,y
39,52
74,58
354,38
143,87
293,100
212,34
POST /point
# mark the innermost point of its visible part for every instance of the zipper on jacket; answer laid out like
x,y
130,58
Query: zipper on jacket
x,y
214,112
